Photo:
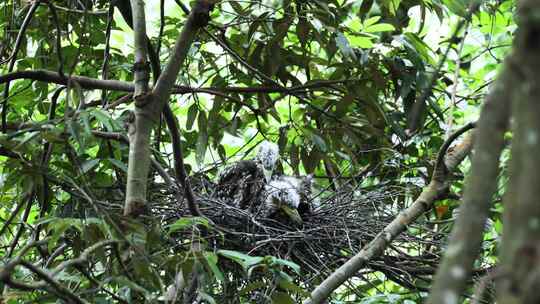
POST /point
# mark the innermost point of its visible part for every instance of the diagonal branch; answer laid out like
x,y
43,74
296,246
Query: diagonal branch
x,y
436,189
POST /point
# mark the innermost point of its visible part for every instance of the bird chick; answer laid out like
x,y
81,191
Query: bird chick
x,y
241,183
282,196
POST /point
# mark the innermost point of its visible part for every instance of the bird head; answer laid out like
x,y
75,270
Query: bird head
x,y
283,196
268,155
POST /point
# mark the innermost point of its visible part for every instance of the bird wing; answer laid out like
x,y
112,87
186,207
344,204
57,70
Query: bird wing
x,y
240,183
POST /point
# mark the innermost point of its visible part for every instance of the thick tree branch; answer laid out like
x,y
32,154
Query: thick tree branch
x,y
141,126
150,106
436,189
170,119
141,68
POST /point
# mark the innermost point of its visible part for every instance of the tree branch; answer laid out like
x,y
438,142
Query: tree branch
x,y
123,86
13,58
432,192
148,111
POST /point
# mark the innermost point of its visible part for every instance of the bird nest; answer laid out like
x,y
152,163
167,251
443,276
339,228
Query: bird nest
x,y
342,224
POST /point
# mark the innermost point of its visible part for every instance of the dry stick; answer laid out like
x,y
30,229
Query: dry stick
x,y
13,58
436,189
54,77
58,39
28,199
107,53
467,235
15,212
450,122
179,166
58,287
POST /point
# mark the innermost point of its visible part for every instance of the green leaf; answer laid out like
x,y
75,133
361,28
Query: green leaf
x,y
188,222
380,27
89,165
191,115
290,286
104,118
458,7
244,260
319,142
120,165
212,260
362,42
370,21
292,265
202,140
251,287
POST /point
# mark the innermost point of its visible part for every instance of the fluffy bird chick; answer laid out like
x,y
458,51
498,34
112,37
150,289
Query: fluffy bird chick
x,y
282,196
267,156
240,184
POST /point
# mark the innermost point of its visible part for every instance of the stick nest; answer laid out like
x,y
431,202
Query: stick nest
x,y
342,224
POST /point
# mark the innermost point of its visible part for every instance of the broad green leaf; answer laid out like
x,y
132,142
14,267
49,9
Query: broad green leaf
x,y
120,165
191,115
212,260
458,7
188,222
362,42
370,21
104,118
202,140
89,165
380,27
290,264
246,261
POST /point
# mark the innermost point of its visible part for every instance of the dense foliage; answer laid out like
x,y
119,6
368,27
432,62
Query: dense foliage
x,y
361,94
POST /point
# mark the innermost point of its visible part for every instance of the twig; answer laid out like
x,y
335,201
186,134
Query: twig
x,y
13,58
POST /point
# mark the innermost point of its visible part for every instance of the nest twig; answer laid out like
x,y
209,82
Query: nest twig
x,y
335,230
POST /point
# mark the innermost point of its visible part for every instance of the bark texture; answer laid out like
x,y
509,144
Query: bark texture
x,y
520,254
150,105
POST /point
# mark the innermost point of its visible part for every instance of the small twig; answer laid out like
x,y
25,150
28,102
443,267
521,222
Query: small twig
x,y
13,58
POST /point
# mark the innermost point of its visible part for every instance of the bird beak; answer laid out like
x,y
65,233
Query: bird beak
x,y
293,214
267,175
